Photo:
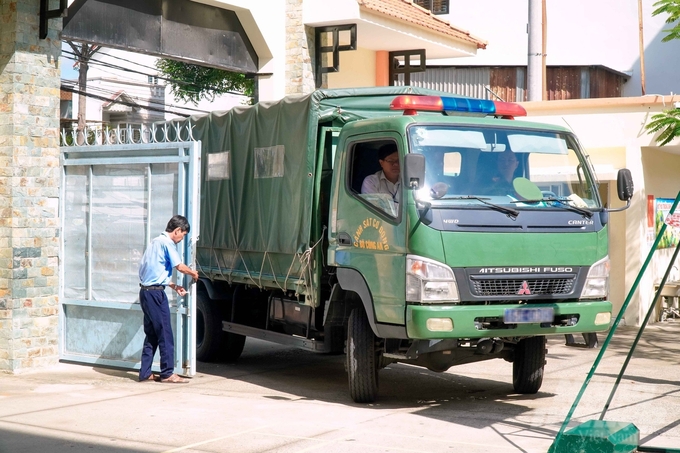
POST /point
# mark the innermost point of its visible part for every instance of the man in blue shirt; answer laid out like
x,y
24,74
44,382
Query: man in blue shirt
x,y
155,273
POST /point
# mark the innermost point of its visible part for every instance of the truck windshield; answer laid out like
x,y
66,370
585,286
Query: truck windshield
x,y
522,168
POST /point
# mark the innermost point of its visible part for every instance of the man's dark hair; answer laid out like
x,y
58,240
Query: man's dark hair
x,y
386,150
178,221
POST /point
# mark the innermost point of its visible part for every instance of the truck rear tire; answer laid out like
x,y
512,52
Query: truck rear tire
x,y
212,343
362,360
528,365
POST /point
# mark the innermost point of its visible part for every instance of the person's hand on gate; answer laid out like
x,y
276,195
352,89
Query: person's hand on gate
x,y
183,268
179,290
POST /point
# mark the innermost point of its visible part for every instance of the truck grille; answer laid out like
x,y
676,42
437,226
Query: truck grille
x,y
513,286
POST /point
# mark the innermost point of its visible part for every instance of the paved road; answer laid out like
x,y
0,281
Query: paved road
x,y
278,399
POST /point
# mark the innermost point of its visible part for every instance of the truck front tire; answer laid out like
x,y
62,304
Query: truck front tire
x,y
528,365
362,359
212,343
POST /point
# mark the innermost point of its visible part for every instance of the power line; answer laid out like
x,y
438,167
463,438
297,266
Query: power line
x,y
143,100
121,102
167,79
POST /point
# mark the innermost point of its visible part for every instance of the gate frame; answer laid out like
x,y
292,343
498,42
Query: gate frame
x,y
187,155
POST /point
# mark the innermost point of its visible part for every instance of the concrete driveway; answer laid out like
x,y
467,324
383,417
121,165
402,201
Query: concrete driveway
x,y
279,399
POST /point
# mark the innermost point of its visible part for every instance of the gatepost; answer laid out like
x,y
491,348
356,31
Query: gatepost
x,y
29,187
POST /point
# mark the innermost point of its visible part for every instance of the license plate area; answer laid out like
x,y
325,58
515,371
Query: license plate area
x,y
528,315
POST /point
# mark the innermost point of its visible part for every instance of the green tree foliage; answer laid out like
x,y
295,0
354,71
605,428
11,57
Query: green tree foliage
x,y
672,8
667,122
191,83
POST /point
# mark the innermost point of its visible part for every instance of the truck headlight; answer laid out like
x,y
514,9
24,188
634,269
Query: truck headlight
x,y
429,281
597,281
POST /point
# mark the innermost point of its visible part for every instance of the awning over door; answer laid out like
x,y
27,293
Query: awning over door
x,y
210,36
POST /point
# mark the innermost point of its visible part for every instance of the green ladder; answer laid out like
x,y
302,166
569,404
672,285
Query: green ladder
x,y
602,436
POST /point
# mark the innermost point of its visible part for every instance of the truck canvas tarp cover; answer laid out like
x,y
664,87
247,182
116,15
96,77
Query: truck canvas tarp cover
x,y
260,182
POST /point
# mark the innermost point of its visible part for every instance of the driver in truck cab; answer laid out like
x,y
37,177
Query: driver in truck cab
x,y
501,181
385,180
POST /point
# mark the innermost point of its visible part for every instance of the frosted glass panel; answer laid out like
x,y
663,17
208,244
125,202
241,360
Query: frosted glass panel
x,y
118,231
75,232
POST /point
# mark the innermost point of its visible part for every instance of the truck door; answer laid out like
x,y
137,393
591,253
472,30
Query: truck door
x,y
367,229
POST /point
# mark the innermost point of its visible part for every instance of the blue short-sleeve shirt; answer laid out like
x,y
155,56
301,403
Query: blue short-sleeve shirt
x,y
159,259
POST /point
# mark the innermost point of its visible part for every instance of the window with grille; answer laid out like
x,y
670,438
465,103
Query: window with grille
x,y
436,6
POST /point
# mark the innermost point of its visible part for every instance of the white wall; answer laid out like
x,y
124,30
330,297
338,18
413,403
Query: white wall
x,y
580,32
615,137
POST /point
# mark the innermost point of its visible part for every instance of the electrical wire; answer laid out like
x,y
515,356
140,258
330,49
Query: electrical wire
x,y
151,104
95,61
95,89
118,101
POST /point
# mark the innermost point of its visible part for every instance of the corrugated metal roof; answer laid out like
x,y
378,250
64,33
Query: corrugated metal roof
x,y
471,82
407,11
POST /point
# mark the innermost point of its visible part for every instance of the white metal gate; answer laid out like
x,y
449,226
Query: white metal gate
x,y
116,195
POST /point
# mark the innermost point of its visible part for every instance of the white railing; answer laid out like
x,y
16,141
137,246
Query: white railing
x,y
130,134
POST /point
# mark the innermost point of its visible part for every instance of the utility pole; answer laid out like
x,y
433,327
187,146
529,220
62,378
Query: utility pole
x,y
83,53
535,54
544,45
641,38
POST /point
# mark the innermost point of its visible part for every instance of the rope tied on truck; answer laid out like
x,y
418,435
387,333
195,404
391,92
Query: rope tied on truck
x,y
302,262
305,261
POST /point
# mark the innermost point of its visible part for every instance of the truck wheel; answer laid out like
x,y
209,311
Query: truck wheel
x,y
362,361
527,368
212,343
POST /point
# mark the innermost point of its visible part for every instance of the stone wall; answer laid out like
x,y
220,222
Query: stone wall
x,y
29,187
299,51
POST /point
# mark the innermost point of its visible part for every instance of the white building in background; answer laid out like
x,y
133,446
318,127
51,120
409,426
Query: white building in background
x,y
282,35
579,33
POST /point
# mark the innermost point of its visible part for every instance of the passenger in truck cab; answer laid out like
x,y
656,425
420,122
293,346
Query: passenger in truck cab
x,y
501,179
387,179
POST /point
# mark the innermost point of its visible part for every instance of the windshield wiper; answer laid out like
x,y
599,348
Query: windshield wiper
x,y
562,202
512,213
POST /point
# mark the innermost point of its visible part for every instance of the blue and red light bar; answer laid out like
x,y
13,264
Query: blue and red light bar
x,y
411,104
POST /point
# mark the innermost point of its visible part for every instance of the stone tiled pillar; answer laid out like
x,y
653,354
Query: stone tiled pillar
x,y
299,51
29,187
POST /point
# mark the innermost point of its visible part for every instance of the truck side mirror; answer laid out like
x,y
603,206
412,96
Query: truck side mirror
x,y
414,174
624,184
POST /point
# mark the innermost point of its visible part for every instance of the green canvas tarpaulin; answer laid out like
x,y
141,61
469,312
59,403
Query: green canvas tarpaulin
x,y
259,176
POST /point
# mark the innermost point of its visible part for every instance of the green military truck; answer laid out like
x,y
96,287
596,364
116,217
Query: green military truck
x,y
458,265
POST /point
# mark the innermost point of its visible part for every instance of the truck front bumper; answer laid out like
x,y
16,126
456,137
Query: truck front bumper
x,y
481,321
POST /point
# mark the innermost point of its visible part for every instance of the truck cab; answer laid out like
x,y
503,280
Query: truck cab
x,y
495,237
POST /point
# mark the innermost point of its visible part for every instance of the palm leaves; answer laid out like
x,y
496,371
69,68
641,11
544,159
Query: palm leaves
x,y
672,8
668,123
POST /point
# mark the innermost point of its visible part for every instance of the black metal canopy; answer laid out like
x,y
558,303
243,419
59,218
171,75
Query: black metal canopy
x,y
177,29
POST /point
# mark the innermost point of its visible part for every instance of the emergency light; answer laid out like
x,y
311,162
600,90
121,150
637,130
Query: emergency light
x,y
411,104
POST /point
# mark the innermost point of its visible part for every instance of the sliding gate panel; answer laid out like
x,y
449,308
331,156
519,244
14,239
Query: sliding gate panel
x,y
114,200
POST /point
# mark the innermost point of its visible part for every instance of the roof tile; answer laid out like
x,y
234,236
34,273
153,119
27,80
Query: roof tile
x,y
407,11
